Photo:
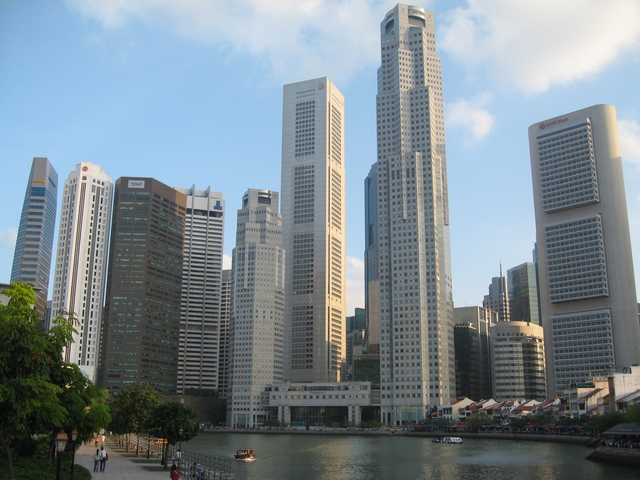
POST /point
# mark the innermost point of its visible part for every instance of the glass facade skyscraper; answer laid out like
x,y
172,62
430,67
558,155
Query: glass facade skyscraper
x,y
34,245
408,254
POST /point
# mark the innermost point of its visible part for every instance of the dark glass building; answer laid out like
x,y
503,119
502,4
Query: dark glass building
x,y
144,284
34,245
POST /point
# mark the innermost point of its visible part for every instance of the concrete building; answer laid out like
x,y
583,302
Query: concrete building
x,y
407,220
34,244
587,283
226,305
313,219
473,351
199,351
517,360
257,319
498,297
141,328
81,260
524,301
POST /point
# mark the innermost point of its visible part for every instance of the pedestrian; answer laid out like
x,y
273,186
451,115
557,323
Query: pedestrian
x,y
176,457
103,459
96,460
102,438
174,473
97,440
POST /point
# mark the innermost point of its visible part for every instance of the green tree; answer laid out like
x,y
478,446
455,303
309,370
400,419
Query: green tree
x,y
172,421
131,408
39,393
601,423
633,414
474,423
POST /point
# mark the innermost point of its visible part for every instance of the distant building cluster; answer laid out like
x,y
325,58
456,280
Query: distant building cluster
x,y
138,264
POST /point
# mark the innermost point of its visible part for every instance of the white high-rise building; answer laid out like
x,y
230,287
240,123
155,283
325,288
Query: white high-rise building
x,y
257,325
407,215
313,219
587,283
81,260
201,343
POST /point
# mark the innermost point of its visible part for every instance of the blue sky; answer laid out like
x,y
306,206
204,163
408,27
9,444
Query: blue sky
x,y
190,92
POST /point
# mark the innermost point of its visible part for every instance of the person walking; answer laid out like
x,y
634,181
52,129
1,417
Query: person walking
x,y
175,473
96,460
103,459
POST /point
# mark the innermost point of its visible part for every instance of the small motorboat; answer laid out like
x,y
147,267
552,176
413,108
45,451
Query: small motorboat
x,y
245,455
447,440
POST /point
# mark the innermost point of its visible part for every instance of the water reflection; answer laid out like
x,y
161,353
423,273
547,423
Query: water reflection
x,y
319,457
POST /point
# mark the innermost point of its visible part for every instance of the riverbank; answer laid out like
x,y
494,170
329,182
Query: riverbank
x,y
625,456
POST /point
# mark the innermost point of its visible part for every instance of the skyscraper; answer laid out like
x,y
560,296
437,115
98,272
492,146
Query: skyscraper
x,y
408,252
524,302
199,352
498,298
81,262
313,219
34,245
587,284
141,328
257,326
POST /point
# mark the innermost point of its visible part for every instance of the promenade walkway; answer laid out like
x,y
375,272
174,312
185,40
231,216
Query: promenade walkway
x,y
122,465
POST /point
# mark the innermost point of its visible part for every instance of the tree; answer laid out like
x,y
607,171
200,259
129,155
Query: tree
x,y
633,414
601,423
172,421
39,393
131,408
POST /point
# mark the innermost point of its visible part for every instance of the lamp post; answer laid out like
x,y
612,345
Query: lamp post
x,y
61,442
74,436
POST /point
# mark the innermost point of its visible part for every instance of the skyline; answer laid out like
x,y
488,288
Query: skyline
x,y
145,89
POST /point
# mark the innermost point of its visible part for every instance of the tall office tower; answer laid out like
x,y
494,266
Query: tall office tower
x,y
524,301
141,328
408,252
314,230
200,317
587,284
473,371
498,298
257,325
226,304
517,360
81,261
34,245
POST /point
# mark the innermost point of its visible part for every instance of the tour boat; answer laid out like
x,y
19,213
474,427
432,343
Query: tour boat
x,y
245,455
447,440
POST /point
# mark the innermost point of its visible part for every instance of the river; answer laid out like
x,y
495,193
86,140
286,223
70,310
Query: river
x,y
334,457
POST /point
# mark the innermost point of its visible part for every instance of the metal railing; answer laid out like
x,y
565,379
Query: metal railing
x,y
202,466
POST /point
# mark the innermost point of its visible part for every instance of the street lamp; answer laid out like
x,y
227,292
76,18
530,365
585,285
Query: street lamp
x,y
61,442
74,436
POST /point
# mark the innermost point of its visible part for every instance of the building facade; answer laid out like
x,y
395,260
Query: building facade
x,y
81,260
34,244
517,354
226,306
524,301
257,319
587,283
141,328
408,249
314,231
498,297
200,347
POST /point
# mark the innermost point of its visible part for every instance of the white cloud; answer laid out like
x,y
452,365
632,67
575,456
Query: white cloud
x,y
355,284
629,131
8,237
295,38
471,115
532,44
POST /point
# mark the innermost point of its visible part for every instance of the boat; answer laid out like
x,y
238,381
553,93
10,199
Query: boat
x,y
447,440
245,455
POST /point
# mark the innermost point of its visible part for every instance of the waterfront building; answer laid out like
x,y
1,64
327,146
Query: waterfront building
x,y
200,343
34,244
524,301
473,351
314,231
407,219
81,261
257,318
587,283
141,328
517,360
498,298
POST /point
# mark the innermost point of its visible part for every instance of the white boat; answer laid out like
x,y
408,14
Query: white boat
x,y
447,440
245,455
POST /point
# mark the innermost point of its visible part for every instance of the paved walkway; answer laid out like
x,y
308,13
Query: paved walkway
x,y
122,464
